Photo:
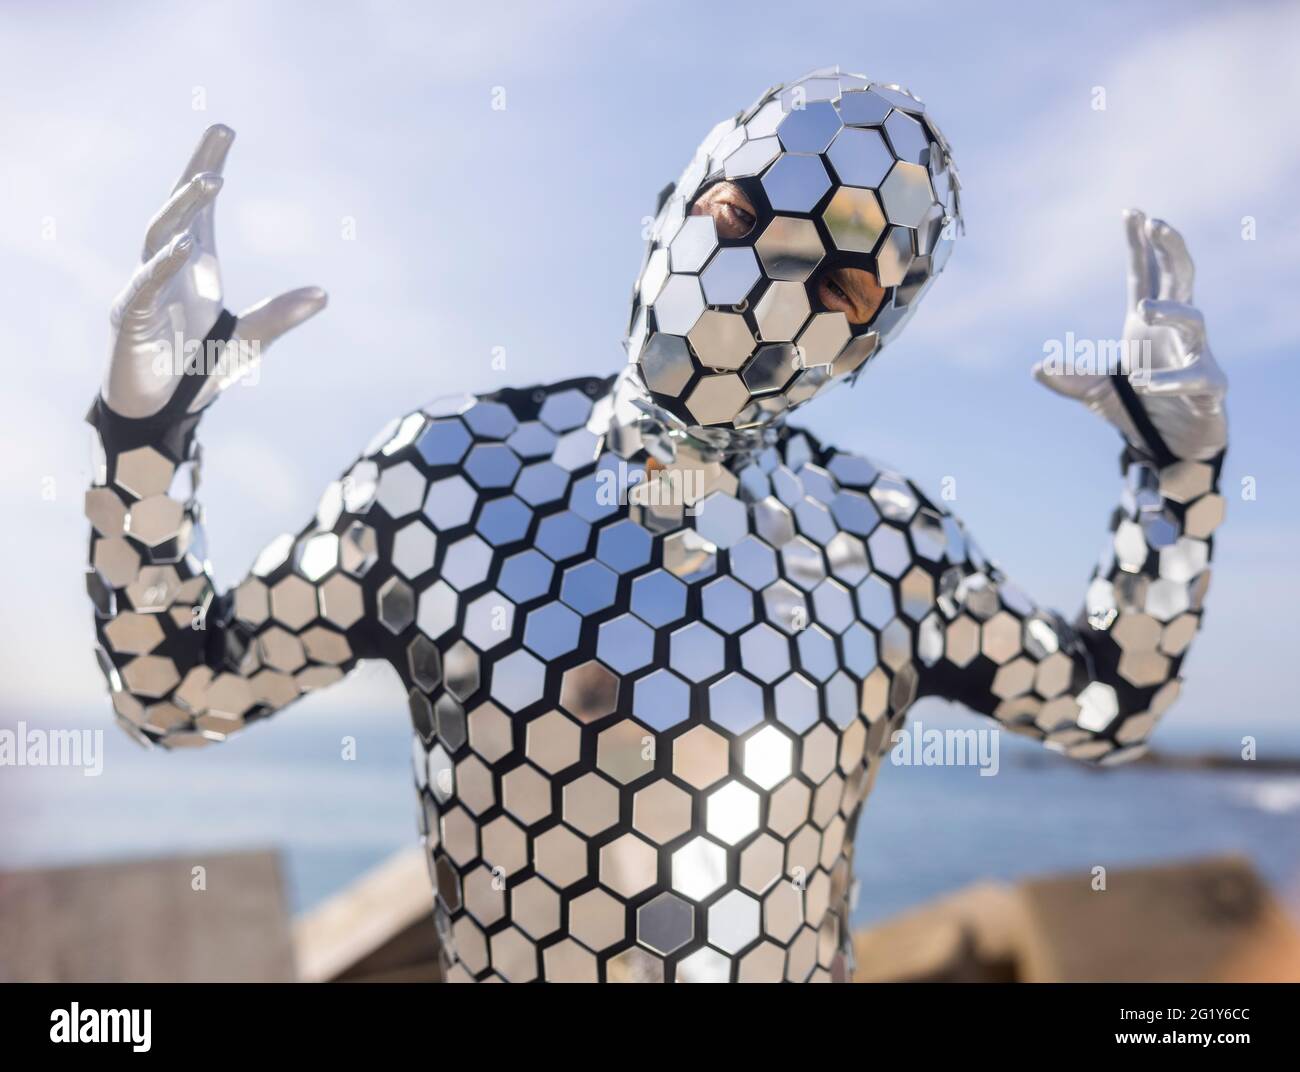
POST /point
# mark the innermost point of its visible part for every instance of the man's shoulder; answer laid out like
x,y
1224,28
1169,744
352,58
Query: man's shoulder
x,y
831,469
457,420
516,445
559,406
875,502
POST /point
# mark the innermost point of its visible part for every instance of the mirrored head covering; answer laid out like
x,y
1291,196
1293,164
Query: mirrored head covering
x,y
842,172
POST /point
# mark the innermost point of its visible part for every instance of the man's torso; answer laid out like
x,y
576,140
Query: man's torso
x,y
645,719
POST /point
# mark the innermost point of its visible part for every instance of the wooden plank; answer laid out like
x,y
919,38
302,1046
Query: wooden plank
x,y
144,921
381,926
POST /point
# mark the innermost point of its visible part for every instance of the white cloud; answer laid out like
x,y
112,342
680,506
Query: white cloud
x,y
1194,132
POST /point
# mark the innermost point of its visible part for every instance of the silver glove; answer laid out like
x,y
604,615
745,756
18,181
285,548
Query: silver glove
x,y
1179,384
175,296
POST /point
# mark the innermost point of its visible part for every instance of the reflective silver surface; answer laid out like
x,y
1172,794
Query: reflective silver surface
x,y
829,161
654,648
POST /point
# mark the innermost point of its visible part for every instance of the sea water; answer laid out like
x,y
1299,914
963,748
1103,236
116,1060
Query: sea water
x,y
333,792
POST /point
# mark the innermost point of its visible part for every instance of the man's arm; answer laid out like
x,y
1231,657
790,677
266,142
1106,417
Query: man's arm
x,y
1095,689
184,664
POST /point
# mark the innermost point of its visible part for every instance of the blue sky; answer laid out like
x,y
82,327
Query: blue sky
x,y
477,229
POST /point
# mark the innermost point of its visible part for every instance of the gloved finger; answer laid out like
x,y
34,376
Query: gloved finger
x,y
1141,264
209,155
258,327
1198,378
1185,320
179,212
266,321
1072,385
140,296
1173,262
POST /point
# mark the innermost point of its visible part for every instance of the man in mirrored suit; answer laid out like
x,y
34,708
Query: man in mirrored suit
x,y
655,638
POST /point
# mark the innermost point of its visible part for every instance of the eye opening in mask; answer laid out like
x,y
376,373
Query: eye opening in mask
x,y
855,292
732,208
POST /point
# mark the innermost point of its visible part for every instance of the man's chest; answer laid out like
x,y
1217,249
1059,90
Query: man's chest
x,y
638,601
644,716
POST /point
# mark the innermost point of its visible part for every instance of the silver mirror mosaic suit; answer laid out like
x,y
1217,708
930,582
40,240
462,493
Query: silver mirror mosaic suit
x,y
647,711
